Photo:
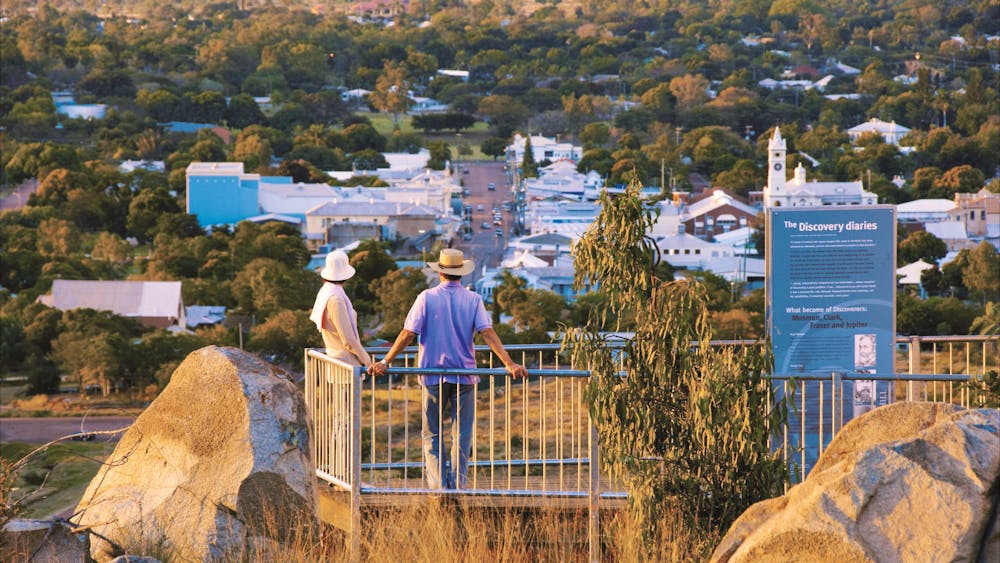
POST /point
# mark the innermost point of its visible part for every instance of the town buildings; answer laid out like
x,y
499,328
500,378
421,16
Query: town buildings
x,y
796,191
416,205
542,148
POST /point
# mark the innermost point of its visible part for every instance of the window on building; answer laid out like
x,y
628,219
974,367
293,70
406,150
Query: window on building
x,y
982,214
687,251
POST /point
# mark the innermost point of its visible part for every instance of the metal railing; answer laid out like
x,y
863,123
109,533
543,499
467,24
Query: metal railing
x,y
534,437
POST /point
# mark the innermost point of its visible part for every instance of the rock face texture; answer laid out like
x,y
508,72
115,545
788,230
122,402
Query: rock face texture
x,y
222,455
905,482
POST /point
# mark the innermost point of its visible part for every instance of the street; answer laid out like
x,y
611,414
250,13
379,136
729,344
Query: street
x,y
43,430
485,247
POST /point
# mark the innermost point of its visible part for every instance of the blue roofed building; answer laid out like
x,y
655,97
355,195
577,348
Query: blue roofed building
x,y
221,193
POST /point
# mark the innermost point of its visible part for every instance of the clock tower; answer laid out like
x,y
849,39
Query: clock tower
x,y
776,150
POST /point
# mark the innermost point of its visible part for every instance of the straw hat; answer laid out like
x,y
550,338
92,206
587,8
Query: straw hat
x,y
338,268
451,261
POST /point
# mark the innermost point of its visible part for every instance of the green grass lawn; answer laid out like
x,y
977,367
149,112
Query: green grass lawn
x,y
54,480
471,138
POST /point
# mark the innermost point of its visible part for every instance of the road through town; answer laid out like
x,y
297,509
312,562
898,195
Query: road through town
x,y
485,247
46,429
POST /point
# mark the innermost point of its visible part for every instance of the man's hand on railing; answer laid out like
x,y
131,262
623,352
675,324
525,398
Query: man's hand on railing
x,y
378,368
516,371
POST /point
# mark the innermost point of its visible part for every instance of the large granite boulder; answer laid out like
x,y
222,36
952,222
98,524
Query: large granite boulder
x,y
905,482
220,457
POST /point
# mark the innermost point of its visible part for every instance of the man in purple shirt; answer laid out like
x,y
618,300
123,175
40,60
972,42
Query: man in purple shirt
x,y
446,318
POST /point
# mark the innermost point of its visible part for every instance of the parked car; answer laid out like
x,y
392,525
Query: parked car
x,y
480,207
491,186
486,225
499,233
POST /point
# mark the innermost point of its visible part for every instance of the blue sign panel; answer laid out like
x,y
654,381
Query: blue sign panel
x,y
831,292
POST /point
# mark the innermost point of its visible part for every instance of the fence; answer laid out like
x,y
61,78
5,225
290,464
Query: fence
x,y
533,439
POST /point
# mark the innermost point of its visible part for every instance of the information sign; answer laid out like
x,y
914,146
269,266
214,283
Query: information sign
x,y
831,289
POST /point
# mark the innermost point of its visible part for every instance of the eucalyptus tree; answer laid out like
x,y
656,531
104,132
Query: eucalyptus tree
x,y
685,425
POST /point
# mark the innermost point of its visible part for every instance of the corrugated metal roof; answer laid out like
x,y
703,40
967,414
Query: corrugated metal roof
x,y
928,205
125,298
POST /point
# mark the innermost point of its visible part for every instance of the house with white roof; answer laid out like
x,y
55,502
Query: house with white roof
x,y
542,148
561,180
841,68
782,191
668,222
152,303
687,251
545,246
891,132
564,217
928,210
205,315
909,275
426,105
357,95
740,269
128,166
413,162
556,277
522,259
339,222
454,73
772,84
741,240
953,234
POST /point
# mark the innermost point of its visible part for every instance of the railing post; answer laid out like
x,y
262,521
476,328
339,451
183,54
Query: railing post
x,y
356,464
594,496
837,403
914,355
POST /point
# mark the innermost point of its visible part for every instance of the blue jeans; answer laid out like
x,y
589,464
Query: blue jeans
x,y
441,401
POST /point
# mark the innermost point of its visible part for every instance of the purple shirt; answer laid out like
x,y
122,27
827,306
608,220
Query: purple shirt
x,y
446,318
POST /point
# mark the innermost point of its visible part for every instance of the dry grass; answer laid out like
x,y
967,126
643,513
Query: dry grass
x,y
440,531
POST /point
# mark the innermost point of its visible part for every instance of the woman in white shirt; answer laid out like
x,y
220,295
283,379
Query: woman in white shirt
x,y
335,316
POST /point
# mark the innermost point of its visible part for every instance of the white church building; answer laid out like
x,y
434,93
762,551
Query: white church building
x,y
796,191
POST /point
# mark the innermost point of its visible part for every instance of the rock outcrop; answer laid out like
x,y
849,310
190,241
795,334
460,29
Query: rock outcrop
x,y
905,482
220,456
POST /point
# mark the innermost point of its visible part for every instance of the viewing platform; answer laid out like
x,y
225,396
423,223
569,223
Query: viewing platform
x,y
534,444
